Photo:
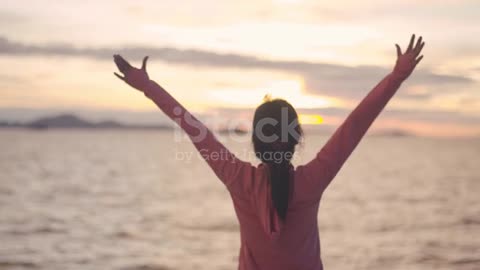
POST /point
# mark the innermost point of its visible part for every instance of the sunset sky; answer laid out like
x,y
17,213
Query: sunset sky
x,y
222,57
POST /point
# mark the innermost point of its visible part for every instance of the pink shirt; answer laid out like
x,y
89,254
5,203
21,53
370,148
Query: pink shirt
x,y
267,242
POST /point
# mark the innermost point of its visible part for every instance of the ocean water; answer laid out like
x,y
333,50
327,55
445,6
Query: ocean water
x,y
130,200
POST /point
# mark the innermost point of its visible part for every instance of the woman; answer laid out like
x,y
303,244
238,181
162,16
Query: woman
x,y
277,204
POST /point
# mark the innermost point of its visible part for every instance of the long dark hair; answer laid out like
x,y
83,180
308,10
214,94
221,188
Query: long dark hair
x,y
276,132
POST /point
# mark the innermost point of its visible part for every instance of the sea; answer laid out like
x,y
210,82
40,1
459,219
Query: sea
x,y
144,200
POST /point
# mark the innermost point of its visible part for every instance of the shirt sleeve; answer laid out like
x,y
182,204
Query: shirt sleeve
x,y
320,171
228,168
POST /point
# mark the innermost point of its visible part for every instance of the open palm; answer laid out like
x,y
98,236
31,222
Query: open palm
x,y
135,77
406,62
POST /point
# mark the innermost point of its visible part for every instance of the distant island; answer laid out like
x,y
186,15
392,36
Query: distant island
x,y
393,133
71,121
66,121
238,131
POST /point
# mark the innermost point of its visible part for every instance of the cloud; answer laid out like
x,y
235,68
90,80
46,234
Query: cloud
x,y
10,18
10,79
319,78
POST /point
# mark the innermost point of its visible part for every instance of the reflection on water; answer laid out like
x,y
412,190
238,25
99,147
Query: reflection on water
x,y
119,200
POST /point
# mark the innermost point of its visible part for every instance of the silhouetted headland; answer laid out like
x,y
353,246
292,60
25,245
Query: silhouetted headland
x,y
71,121
66,121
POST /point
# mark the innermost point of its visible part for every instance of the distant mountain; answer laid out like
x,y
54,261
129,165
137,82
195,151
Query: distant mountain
x,y
393,133
65,121
73,121
237,131
7,124
60,121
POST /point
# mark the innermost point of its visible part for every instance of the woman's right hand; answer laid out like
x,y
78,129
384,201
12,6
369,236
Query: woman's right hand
x,y
406,62
136,78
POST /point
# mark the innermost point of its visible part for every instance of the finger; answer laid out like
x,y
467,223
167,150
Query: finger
x,y
144,64
120,77
119,63
122,64
410,45
399,51
417,45
419,50
418,60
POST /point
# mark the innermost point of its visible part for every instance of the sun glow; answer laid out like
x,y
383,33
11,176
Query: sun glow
x,y
290,90
310,119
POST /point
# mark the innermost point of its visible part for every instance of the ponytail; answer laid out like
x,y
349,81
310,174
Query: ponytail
x,y
280,186
282,148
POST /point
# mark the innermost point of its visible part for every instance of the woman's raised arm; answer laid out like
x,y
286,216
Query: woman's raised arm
x,y
226,166
323,168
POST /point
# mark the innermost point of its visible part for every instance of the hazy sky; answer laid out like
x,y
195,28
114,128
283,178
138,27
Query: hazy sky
x,y
222,57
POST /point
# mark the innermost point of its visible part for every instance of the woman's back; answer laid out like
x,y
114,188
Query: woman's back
x,y
266,241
